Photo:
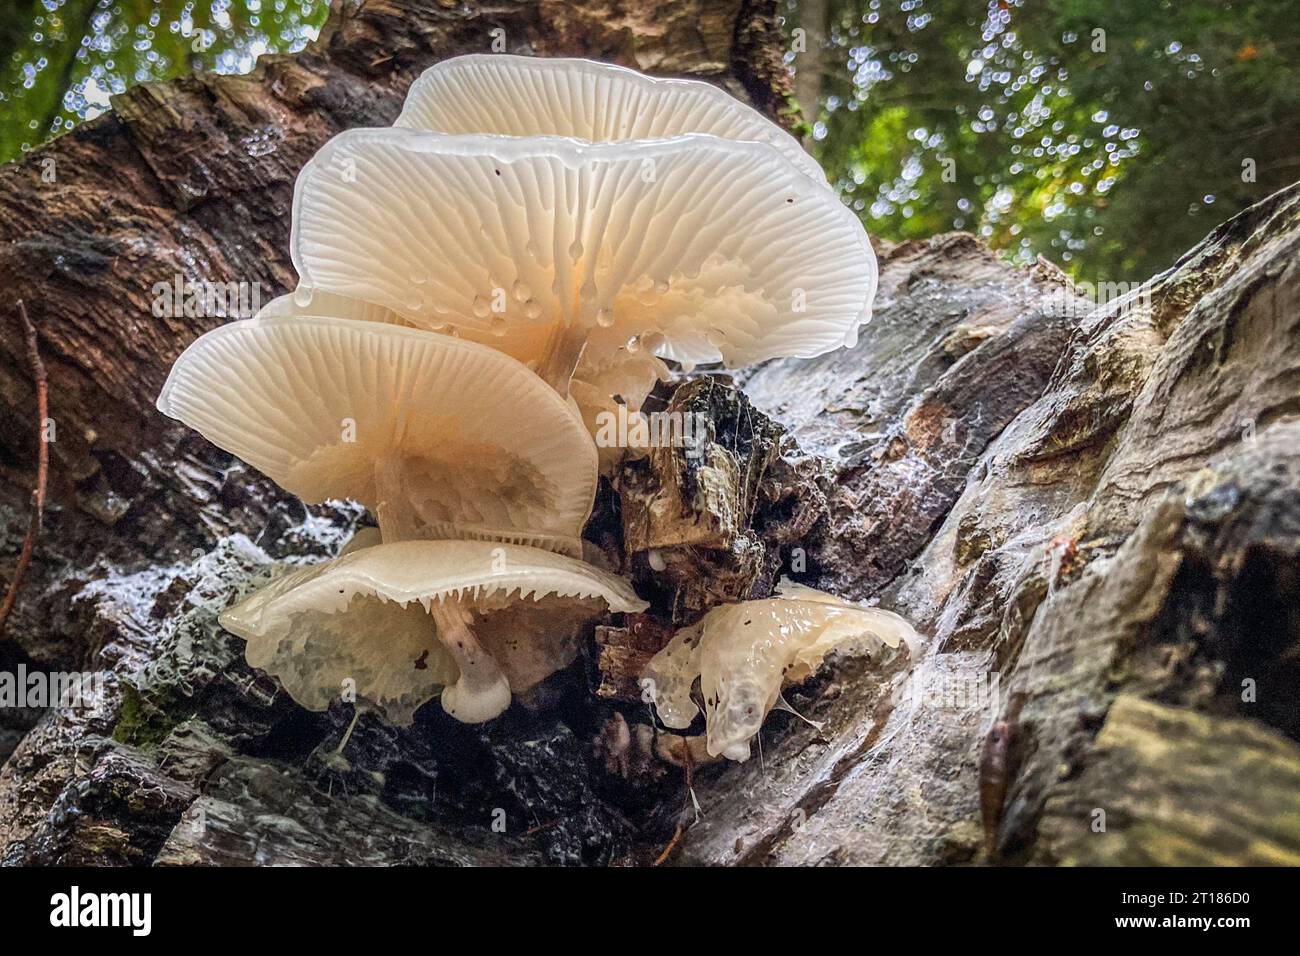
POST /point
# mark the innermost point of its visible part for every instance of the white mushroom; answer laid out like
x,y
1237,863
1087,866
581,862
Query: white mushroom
x,y
743,653
398,622
630,377
439,438
560,252
582,99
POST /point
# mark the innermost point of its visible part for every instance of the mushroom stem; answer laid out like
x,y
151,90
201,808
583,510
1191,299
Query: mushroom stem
x,y
481,692
563,352
394,512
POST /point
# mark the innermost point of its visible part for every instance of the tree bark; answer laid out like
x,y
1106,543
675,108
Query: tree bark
x,y
1096,505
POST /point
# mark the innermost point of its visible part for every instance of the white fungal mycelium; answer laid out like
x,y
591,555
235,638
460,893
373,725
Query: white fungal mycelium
x,y
742,654
525,250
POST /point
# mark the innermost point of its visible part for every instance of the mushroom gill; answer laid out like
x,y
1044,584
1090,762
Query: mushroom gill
x,y
564,253
743,653
438,437
629,376
398,622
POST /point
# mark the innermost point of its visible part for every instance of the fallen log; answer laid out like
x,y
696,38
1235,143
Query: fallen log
x,y
1090,510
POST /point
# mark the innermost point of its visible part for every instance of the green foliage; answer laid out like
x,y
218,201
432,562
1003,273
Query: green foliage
x,y
1111,152
60,60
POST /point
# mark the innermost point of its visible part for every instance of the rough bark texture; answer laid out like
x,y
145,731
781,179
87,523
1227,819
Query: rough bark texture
x,y
1102,510
1101,507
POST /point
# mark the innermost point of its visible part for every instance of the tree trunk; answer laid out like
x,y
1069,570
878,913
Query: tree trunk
x,y
1091,513
810,61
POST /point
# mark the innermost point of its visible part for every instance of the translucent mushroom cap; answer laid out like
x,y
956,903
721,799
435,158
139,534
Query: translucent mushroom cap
x,y
629,377
743,653
366,618
559,252
438,437
583,99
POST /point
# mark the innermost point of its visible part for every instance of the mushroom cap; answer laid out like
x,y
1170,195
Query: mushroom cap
x,y
466,437
582,99
743,653
723,249
631,379
364,617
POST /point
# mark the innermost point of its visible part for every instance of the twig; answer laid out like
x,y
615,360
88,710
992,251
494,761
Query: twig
x,y
42,466
689,766
672,845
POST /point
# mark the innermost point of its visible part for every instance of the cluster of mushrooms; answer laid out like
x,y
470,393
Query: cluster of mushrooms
x,y
527,247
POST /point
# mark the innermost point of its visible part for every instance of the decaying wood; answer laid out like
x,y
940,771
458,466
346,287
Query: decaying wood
x,y
709,521
622,654
1092,513
1160,433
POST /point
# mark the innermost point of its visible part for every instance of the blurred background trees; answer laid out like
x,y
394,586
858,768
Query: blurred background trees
x,y
1106,135
60,60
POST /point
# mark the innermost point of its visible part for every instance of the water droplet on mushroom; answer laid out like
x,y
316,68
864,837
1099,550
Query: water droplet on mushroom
x,y
521,291
533,309
419,278
498,325
661,286
605,318
482,307
715,337
302,295
634,344
654,557
575,249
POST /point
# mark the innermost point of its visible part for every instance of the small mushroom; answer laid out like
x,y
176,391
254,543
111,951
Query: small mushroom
x,y
743,653
582,99
605,256
476,619
439,438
